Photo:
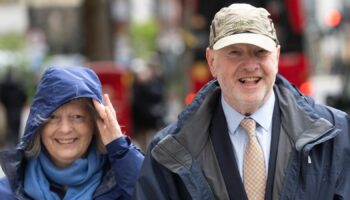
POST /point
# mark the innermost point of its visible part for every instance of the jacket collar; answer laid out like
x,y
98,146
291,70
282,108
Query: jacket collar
x,y
298,117
181,146
179,149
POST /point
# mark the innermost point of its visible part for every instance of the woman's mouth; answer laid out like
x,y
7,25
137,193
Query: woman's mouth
x,y
66,141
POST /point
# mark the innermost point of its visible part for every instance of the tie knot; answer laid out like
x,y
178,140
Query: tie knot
x,y
248,124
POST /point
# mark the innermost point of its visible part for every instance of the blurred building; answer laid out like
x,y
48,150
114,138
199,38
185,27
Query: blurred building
x,y
67,32
16,11
74,27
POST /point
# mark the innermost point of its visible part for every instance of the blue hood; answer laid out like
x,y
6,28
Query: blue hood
x,y
58,86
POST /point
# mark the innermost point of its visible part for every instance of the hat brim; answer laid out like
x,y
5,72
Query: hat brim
x,y
246,38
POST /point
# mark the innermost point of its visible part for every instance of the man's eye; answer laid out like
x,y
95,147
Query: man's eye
x,y
234,53
261,52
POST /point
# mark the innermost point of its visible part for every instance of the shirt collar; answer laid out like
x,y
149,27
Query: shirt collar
x,y
263,116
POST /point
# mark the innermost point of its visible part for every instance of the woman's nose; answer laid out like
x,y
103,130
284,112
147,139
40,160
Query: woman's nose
x,y
65,125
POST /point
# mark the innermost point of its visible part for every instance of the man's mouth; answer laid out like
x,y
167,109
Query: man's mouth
x,y
250,80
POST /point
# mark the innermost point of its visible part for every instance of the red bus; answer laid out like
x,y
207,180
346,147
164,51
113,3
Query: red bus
x,y
116,82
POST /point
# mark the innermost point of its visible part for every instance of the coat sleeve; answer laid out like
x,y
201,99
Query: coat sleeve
x,y
342,187
126,161
150,184
5,190
342,190
157,182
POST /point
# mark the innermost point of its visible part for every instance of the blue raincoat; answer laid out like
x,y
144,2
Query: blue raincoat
x,y
58,86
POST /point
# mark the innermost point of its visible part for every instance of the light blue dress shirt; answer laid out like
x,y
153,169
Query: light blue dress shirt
x,y
239,138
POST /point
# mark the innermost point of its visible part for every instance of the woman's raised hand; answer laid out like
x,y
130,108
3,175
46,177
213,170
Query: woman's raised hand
x,y
108,124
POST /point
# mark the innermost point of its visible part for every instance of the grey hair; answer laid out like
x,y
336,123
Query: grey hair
x,y
33,148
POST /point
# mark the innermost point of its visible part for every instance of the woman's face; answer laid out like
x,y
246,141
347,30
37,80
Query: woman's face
x,y
68,132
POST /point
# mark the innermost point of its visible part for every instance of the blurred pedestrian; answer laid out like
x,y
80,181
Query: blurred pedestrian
x,y
148,107
13,97
72,147
249,133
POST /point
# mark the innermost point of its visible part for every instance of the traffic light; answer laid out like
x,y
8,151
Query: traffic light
x,y
333,18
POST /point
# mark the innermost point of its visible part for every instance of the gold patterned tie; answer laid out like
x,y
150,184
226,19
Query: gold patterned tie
x,y
254,177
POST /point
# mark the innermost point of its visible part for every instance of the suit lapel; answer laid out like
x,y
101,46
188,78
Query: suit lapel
x,y
224,153
276,127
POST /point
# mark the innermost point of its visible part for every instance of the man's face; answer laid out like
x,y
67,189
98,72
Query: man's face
x,y
68,133
246,74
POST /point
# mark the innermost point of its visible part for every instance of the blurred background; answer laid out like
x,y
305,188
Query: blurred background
x,y
150,54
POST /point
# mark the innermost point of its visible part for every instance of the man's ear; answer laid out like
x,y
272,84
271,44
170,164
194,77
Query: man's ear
x,y
278,52
210,60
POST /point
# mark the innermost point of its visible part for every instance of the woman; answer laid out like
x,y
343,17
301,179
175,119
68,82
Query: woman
x,y
72,147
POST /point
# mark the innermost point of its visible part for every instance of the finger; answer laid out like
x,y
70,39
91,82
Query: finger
x,y
110,113
110,116
100,109
109,104
108,126
98,106
100,125
107,100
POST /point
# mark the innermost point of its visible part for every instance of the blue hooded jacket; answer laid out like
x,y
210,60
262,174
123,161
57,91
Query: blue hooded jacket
x,y
58,86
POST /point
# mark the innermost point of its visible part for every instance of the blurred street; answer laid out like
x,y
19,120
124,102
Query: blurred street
x,y
323,88
150,54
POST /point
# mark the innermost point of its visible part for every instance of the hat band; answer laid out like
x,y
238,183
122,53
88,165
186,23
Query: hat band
x,y
246,38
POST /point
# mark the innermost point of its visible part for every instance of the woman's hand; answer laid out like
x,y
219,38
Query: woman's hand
x,y
108,125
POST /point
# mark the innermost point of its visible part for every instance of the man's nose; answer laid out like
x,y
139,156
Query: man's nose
x,y
251,64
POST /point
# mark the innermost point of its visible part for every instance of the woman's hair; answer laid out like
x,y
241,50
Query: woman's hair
x,y
33,148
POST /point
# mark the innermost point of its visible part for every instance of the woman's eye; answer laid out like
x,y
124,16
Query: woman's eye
x,y
77,118
53,119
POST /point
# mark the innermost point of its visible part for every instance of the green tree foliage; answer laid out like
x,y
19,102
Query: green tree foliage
x,y
143,37
11,42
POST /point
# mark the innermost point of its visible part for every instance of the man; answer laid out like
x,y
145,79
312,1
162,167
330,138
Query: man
x,y
249,134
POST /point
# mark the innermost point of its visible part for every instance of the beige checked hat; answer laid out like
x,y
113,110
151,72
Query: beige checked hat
x,y
244,24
